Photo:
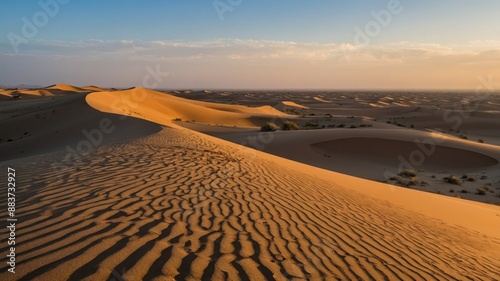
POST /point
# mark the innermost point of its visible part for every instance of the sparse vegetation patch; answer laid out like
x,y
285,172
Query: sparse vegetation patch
x,y
269,127
453,180
408,173
290,125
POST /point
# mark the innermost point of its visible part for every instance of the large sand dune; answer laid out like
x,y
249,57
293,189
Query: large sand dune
x,y
163,108
180,205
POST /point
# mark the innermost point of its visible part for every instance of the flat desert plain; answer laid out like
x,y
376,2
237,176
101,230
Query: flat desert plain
x,y
139,184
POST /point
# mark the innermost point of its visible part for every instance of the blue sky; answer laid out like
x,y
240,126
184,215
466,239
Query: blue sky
x,y
257,44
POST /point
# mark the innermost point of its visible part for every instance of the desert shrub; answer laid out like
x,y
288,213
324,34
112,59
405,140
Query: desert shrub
x,y
453,180
412,181
480,141
407,182
407,173
353,126
399,180
341,126
269,127
481,191
452,190
463,191
290,125
177,119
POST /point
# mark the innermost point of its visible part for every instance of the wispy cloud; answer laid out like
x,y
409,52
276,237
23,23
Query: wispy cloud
x,y
253,49
270,63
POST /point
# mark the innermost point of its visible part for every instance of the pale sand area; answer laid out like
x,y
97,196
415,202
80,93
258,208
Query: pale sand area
x,y
178,204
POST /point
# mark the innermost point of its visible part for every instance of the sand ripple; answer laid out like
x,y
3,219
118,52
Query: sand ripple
x,y
178,206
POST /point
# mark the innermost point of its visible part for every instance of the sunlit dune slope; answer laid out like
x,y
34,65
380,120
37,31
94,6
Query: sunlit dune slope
x,y
183,205
293,104
64,87
162,108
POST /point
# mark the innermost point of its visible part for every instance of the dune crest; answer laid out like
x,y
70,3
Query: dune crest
x,y
65,87
293,104
321,100
162,108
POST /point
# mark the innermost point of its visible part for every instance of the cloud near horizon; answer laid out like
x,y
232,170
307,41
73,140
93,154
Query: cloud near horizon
x,y
260,64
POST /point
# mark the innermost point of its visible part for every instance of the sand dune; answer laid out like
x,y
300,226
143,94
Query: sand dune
x,y
148,211
163,108
320,99
176,204
401,104
64,87
53,90
293,104
93,88
380,153
26,93
44,93
31,127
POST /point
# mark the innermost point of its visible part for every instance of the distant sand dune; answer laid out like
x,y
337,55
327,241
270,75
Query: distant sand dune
x,y
320,99
163,108
93,88
65,87
293,104
37,93
401,104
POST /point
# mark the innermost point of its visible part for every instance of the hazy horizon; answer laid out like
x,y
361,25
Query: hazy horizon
x,y
390,45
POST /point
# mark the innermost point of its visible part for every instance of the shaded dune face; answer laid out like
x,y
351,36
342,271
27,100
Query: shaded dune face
x,y
53,124
389,152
